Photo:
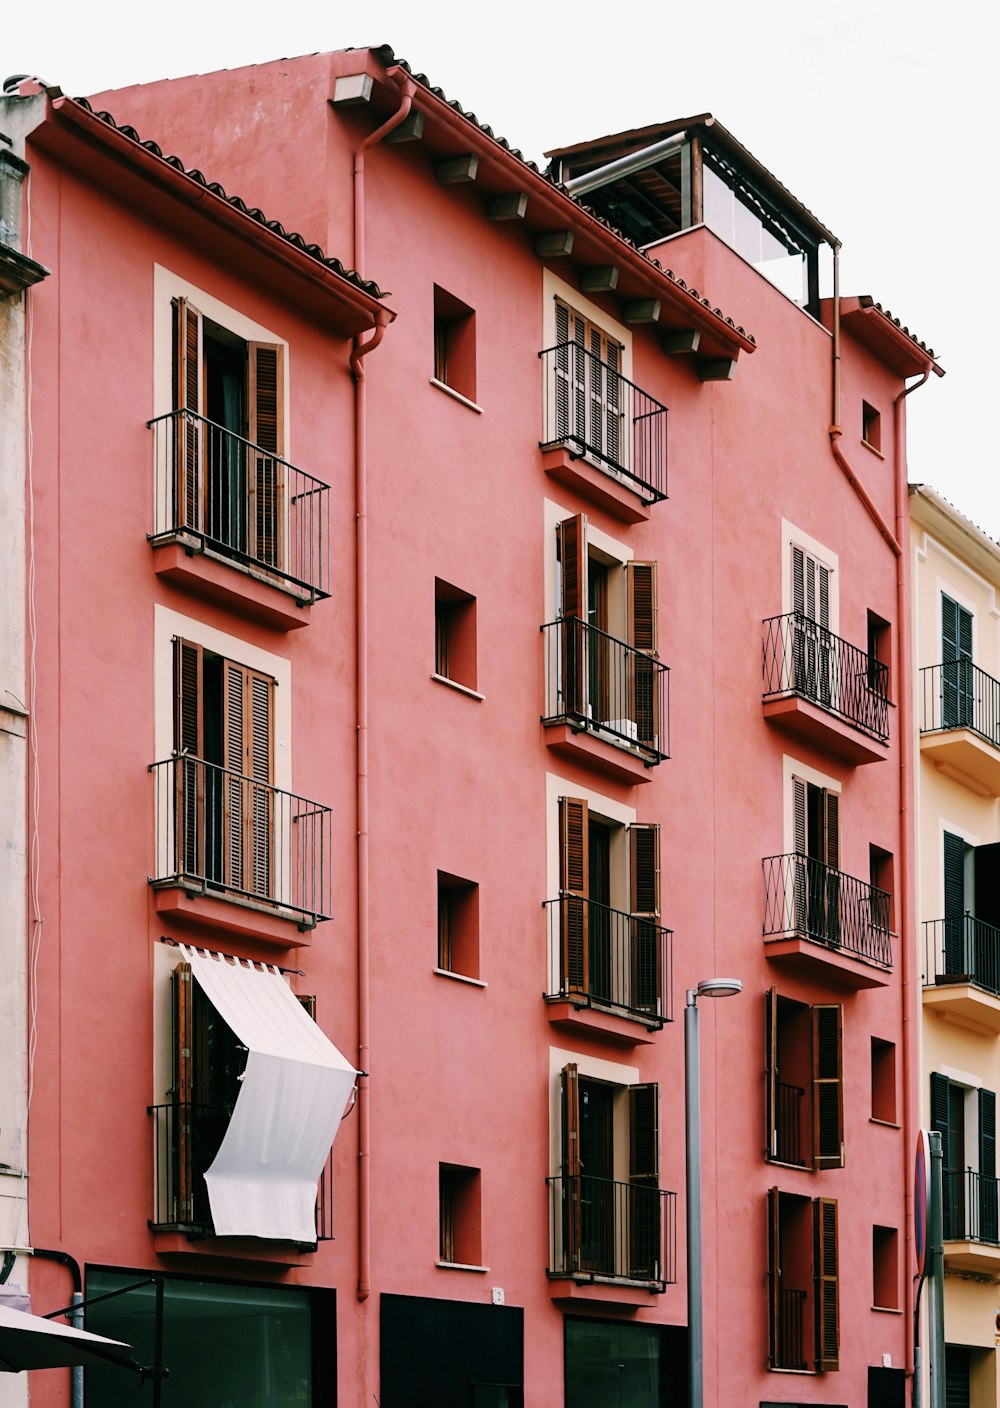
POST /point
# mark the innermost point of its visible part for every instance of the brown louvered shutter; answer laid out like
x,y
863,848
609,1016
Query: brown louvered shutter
x,y
181,1136
267,433
573,613
247,749
771,1072
189,744
186,385
826,1269
642,636
775,1346
570,1201
644,1178
828,1085
644,904
574,894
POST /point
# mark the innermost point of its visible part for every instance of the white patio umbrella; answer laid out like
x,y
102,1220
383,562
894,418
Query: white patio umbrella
x,y
32,1342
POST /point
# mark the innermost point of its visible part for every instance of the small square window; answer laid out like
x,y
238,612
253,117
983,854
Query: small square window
x,y
458,925
460,1215
885,1268
454,343
454,634
883,1081
871,427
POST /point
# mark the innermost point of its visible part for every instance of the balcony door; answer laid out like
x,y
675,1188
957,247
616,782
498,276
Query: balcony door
x,y
817,874
812,653
588,386
972,911
597,1169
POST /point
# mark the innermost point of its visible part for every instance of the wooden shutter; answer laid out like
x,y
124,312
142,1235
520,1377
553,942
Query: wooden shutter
x,y
988,1207
247,750
189,744
810,588
573,613
775,1346
574,894
644,903
771,1073
570,1184
186,385
181,1140
644,1179
827,1275
828,1085
561,373
941,1116
831,847
957,958
799,815
267,433
641,597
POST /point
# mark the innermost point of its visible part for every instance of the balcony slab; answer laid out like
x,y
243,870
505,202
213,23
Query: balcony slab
x,y
185,563
972,1256
611,1027
834,735
959,1001
173,1245
621,763
625,1298
189,906
825,963
597,485
966,758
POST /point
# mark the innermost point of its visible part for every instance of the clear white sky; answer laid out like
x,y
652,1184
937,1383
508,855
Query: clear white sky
x,y
873,112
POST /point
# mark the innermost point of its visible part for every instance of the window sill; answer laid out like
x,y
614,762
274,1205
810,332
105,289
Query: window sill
x,y
460,1266
886,1124
782,1163
460,978
869,446
456,395
887,1309
462,688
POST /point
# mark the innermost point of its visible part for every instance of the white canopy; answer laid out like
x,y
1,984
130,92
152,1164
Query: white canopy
x,y
32,1342
293,1095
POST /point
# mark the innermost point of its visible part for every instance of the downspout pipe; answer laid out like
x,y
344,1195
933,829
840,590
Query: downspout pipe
x,y
75,1313
361,350
909,995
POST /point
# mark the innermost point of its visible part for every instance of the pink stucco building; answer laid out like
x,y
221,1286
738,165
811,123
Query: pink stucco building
x,y
507,653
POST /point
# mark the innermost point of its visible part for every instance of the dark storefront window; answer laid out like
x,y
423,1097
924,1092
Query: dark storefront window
x,y
611,1365
450,1354
225,1345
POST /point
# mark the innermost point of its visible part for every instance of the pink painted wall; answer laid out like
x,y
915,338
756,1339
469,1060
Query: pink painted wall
x,y
459,1073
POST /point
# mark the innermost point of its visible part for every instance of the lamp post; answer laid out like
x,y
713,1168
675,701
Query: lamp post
x,y
711,987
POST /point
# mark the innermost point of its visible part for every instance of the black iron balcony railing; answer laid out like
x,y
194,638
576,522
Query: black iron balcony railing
x,y
232,835
788,1125
971,1207
605,958
805,897
241,501
959,694
186,1139
590,406
596,683
802,657
962,949
613,1231
788,1350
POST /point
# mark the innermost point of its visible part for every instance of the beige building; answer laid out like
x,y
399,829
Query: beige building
x,y
956,603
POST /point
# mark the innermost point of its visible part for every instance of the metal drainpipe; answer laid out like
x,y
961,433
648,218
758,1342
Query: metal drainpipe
x,y
361,350
909,995
75,1315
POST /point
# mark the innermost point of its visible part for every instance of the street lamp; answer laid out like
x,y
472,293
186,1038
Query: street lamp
x,y
711,987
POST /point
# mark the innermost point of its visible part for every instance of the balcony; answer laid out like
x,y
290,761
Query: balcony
x,y
960,724
826,923
186,1139
610,972
602,435
971,1221
605,702
962,971
237,854
222,503
604,1231
824,689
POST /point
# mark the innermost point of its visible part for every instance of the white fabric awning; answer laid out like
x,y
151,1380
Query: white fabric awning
x,y
293,1095
31,1342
